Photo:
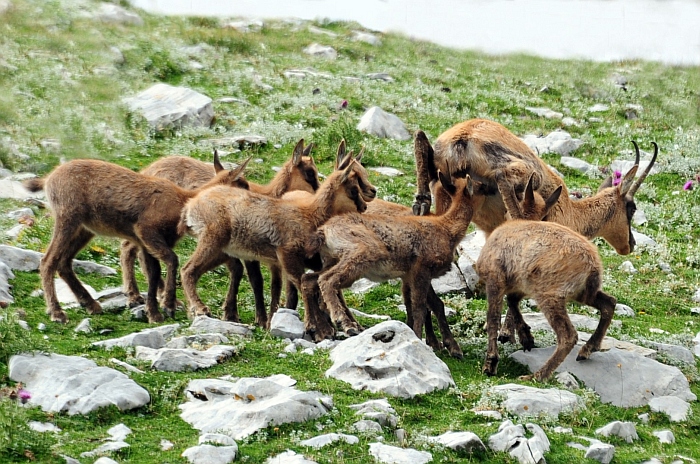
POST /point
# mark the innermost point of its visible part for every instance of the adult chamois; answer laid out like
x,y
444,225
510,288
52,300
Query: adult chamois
x,y
92,197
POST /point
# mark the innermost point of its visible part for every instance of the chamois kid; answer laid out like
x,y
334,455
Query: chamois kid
x,y
298,173
413,248
92,197
251,226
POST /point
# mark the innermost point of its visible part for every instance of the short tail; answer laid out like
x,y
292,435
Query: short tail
x,y
34,185
314,243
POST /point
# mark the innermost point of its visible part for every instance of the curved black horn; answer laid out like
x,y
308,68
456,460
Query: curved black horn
x,y
644,174
636,149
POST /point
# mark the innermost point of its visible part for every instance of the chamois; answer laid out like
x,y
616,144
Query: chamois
x,y
298,173
413,248
552,264
90,197
273,231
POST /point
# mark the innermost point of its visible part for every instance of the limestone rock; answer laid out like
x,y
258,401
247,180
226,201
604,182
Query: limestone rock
x,y
149,338
289,457
379,411
599,108
366,37
204,324
675,408
108,447
511,438
643,240
624,310
74,385
460,441
239,409
363,285
245,25
197,341
640,378
387,171
84,326
559,142
385,125
317,30
324,440
394,455
380,77
601,452
321,51
367,426
111,13
210,454
166,106
679,353
624,165
664,436
453,281
544,112
389,358
522,400
567,380
624,430
286,323
19,259
10,188
42,427
184,359
537,321
579,165
6,275
126,366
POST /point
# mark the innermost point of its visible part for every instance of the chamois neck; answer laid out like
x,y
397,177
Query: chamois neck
x,y
458,216
586,216
277,187
320,204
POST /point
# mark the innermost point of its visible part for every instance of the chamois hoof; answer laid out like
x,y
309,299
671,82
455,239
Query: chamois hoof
x,y
581,357
93,308
59,316
231,317
169,312
528,344
491,366
155,318
135,301
526,378
506,338
454,350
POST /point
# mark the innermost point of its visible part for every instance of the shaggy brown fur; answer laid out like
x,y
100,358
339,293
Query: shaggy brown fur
x,y
552,264
298,173
90,197
413,248
250,226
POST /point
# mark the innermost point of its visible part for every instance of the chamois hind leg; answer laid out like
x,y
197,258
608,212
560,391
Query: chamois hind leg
x,y
64,245
152,267
205,257
292,294
494,295
255,279
554,309
230,306
127,257
314,308
514,321
156,245
420,285
606,305
438,308
430,338
342,275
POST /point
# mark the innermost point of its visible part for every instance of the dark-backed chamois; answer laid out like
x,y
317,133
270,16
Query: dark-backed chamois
x,y
298,173
92,197
251,226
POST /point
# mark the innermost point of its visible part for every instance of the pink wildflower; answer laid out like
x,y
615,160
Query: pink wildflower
x,y
24,396
344,104
688,185
617,178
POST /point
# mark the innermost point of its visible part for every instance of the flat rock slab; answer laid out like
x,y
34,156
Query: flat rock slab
x,y
453,281
166,106
329,438
10,188
289,457
197,341
559,142
148,338
239,409
19,259
394,455
390,359
522,400
74,385
619,377
210,454
675,408
460,441
185,359
537,321
385,125
286,323
208,325
624,430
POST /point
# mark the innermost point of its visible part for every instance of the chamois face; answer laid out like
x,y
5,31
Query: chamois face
x,y
355,190
305,175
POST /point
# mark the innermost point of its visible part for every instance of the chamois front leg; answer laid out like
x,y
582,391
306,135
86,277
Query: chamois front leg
x,y
606,305
315,314
554,309
156,245
205,257
494,296
438,308
292,295
514,321
333,280
256,282
152,268
430,337
127,257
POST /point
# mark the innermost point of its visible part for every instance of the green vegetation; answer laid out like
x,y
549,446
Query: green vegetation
x,y
62,80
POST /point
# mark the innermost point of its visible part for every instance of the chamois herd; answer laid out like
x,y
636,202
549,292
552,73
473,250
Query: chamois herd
x,y
537,237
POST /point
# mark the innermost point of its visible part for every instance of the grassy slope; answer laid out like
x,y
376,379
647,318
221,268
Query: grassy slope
x,y
59,82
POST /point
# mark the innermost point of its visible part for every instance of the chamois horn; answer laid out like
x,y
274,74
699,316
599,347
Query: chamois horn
x,y
644,174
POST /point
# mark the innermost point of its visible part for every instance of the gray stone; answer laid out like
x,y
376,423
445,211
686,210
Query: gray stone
x,y
184,359
317,30
627,267
126,366
460,441
394,455
559,429
238,141
675,408
664,436
639,218
84,326
289,457
70,460
610,342
599,108
453,281
239,409
149,338
367,426
643,418
13,233
567,380
386,171
20,213
119,432
568,121
380,77
111,13
624,310
366,37
522,400
559,142
286,323
357,312
12,189
6,275
378,122
233,100
512,438
544,112
198,341
505,437
640,378
329,438
166,106
363,286
42,427
495,415
166,445
601,452
665,267
537,321
643,240
579,165
245,25
678,353
74,385
625,430
19,259
204,324
389,358
321,51
210,454
108,447
216,439
379,411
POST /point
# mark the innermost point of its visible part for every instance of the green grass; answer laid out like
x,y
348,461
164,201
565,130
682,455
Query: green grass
x,y
60,81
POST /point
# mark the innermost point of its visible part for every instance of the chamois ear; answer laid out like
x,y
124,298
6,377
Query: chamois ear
x,y
470,186
529,198
238,171
608,182
307,150
446,181
627,181
340,155
359,156
298,152
218,167
346,173
552,200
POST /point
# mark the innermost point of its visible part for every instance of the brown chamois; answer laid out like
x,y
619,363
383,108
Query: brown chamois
x,y
90,197
298,173
273,231
553,265
413,248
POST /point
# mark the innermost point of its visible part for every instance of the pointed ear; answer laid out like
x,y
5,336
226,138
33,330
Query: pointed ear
x,y
346,173
470,186
445,181
307,150
218,167
340,154
608,182
553,198
627,181
359,156
529,193
298,152
238,171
